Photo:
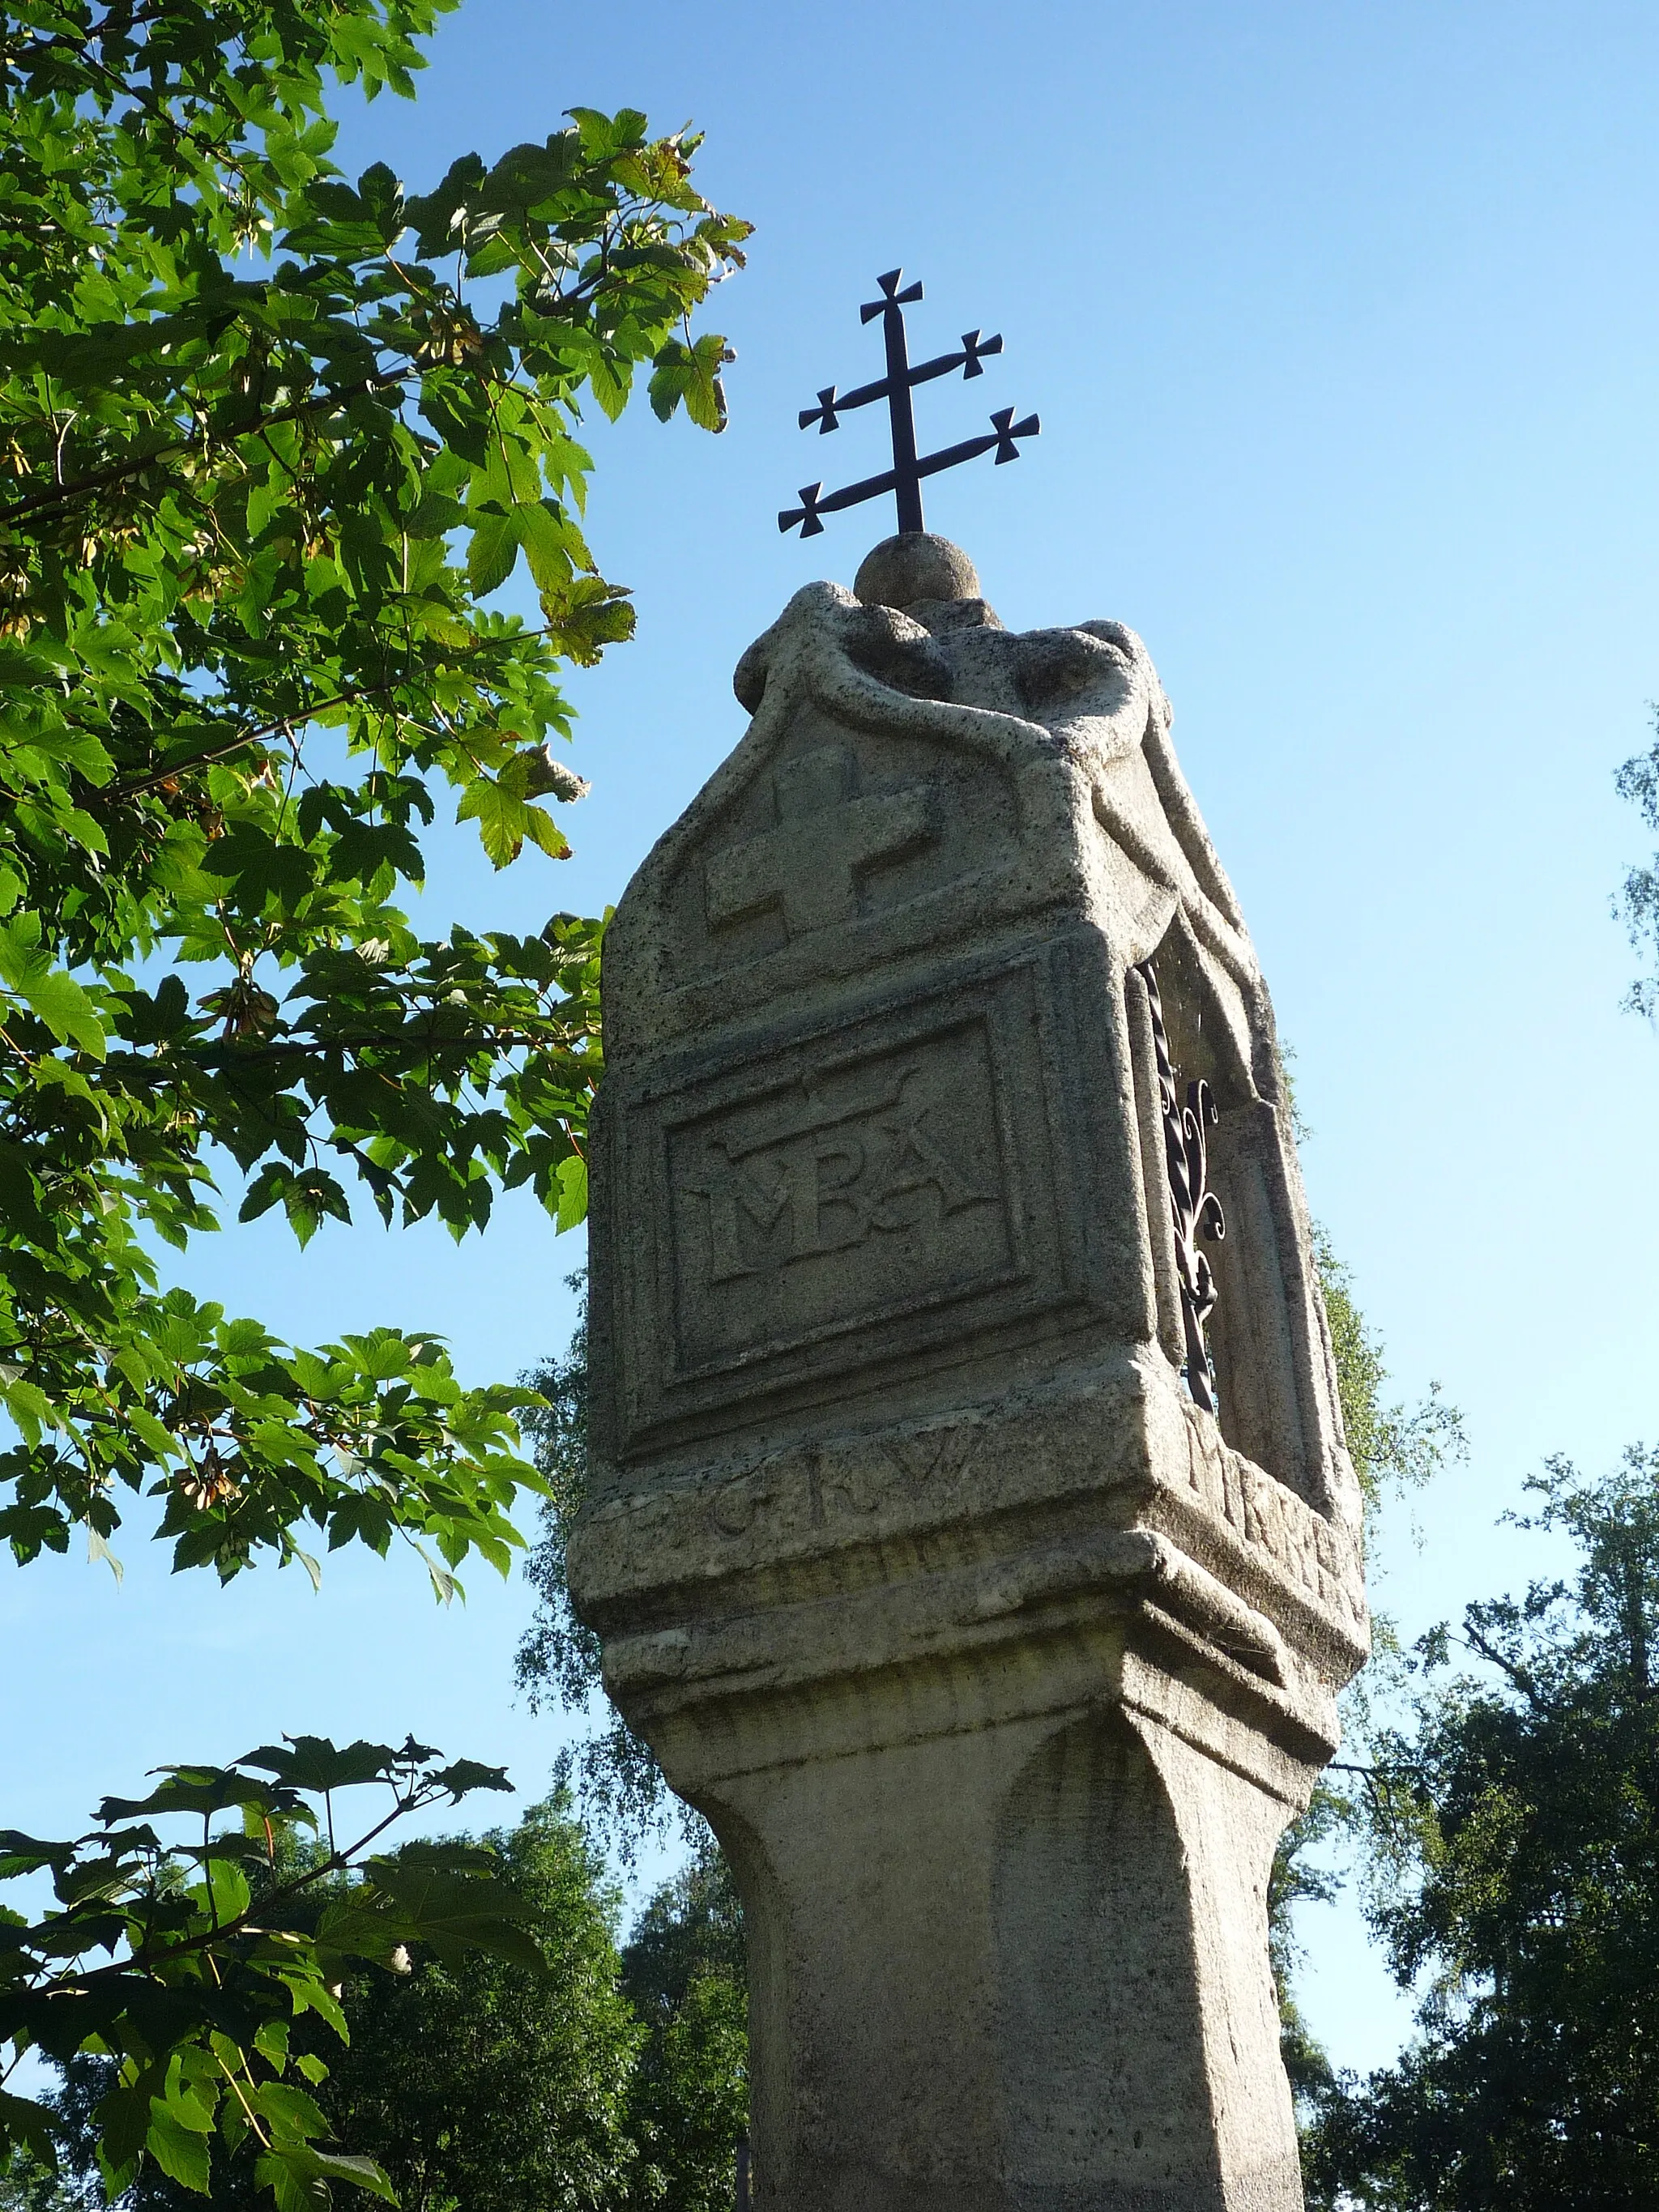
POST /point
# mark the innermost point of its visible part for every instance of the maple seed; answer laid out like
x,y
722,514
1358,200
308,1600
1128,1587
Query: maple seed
x,y
248,1011
212,1483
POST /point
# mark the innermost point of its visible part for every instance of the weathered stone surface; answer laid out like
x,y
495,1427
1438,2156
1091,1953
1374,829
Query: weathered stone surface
x,y
915,567
997,1664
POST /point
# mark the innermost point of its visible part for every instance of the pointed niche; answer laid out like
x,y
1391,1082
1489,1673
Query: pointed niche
x,y
1264,1335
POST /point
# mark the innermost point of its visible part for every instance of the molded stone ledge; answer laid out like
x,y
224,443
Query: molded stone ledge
x,y
936,1614
1052,1475
814,1688
1011,1616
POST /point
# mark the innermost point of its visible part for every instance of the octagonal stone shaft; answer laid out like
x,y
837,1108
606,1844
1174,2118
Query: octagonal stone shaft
x,y
1015,1963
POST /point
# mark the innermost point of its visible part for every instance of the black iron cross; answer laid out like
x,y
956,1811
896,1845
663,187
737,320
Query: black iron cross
x,y
904,478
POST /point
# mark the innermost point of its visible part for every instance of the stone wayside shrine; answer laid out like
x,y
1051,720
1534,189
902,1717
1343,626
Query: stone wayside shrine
x,y
971,1533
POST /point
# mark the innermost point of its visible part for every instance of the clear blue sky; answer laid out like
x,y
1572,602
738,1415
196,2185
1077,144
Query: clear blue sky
x,y
1341,322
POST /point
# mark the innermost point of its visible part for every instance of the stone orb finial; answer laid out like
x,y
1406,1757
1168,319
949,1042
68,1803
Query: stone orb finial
x,y
903,571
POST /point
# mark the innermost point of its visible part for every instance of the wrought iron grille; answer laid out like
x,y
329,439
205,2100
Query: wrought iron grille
x,y
1195,1209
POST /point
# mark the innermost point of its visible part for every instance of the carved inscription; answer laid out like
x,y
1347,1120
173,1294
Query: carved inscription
x,y
794,1492
865,1188
1274,1520
933,1458
841,1174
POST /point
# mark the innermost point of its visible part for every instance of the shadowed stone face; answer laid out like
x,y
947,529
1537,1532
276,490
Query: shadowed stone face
x,y
997,1661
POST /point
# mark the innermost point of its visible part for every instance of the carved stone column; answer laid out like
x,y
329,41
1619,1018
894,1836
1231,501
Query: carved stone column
x,y
997,1660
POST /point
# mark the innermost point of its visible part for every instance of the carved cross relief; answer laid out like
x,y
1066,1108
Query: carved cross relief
x,y
826,834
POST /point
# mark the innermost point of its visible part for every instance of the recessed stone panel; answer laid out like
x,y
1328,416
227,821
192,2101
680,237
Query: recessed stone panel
x,y
886,1192
860,1188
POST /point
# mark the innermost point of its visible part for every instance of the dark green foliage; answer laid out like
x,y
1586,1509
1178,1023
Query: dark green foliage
x,y
26,2184
474,2081
1514,1836
601,2085
1638,902
683,1970
690,1930
613,1771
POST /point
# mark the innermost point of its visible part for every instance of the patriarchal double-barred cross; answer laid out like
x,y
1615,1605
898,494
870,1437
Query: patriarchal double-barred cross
x,y
904,478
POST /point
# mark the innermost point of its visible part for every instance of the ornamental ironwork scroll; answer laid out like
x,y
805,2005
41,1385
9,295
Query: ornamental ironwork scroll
x,y
1195,1209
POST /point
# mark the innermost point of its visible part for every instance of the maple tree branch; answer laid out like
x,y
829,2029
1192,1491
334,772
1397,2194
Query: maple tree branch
x,y
64,496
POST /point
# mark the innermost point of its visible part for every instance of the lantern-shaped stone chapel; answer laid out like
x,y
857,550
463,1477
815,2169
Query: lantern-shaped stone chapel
x,y
970,1529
